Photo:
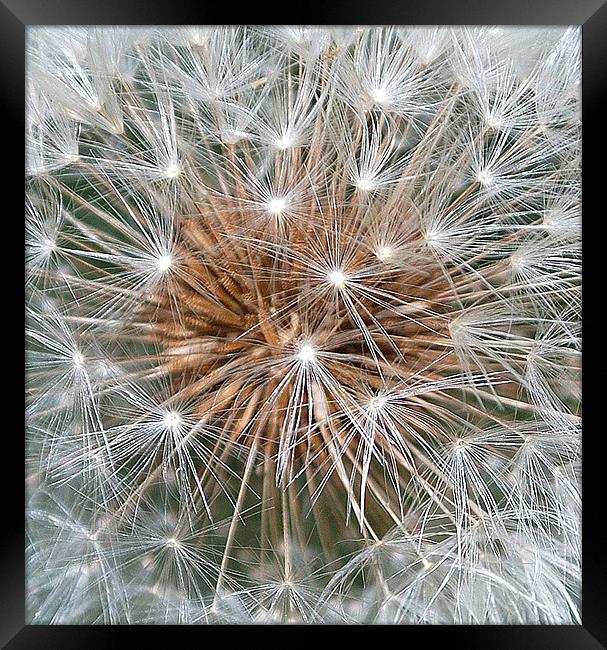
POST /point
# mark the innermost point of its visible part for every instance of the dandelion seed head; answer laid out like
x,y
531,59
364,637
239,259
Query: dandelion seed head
x,y
198,36
552,218
48,246
457,328
294,285
379,95
337,278
307,353
277,206
384,253
285,141
494,122
172,420
485,177
432,238
164,262
542,127
365,184
172,170
78,360
549,220
377,402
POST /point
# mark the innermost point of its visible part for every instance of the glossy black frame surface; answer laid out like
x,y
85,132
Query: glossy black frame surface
x,y
17,15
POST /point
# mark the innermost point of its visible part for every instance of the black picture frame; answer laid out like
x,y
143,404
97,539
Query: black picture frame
x,y
17,15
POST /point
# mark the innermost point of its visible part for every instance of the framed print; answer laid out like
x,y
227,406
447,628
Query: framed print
x,y
303,326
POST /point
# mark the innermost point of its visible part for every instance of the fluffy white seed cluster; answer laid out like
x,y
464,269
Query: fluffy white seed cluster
x,y
303,325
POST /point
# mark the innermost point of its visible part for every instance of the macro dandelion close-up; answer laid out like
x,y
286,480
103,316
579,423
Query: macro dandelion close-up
x,y
303,318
